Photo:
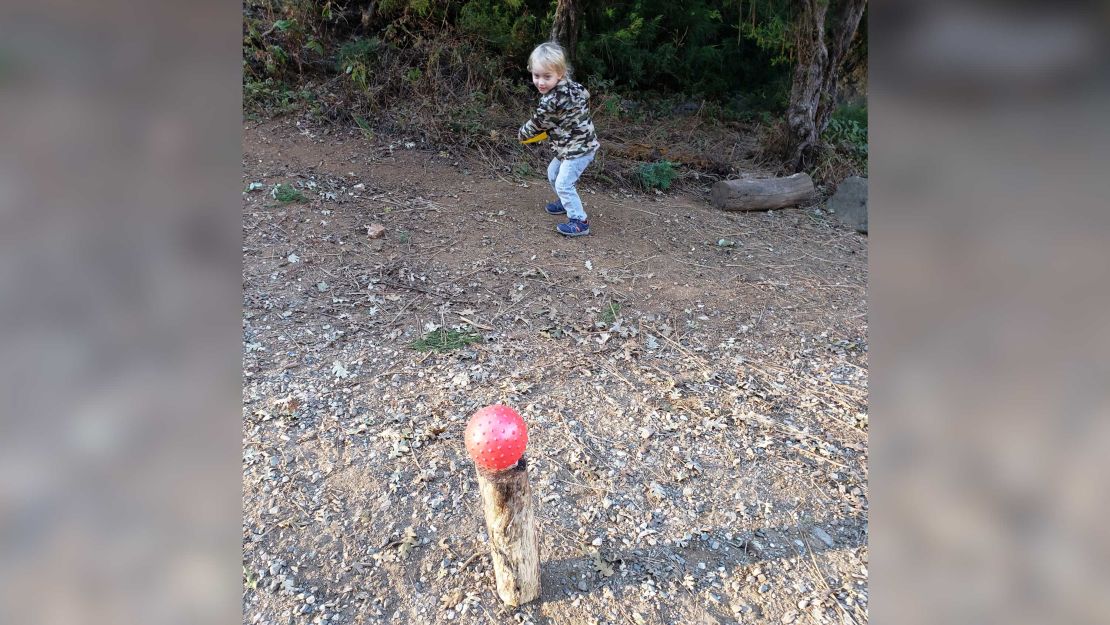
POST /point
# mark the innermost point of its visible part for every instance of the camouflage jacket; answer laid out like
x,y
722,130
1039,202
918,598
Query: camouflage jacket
x,y
564,113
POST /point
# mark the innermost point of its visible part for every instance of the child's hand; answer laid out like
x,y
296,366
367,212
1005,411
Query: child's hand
x,y
536,139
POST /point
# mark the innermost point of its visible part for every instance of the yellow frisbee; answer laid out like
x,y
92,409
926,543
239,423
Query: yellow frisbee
x,y
537,138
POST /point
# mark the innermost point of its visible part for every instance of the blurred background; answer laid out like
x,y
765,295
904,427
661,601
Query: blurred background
x,y
119,291
990,402
120,197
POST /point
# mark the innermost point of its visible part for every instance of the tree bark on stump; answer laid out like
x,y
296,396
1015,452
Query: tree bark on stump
x,y
762,194
511,524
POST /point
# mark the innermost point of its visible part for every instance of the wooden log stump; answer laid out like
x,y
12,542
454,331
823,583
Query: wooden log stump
x,y
763,193
511,524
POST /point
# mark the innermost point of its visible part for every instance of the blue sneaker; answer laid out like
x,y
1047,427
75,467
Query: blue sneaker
x,y
555,208
574,228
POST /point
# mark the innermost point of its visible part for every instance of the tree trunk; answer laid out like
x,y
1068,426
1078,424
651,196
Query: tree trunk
x,y
805,92
564,29
813,92
511,524
762,194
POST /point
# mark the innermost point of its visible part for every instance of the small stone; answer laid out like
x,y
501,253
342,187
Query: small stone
x,y
375,231
582,586
789,617
764,588
275,568
822,535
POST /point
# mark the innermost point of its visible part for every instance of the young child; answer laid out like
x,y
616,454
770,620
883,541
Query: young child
x,y
564,113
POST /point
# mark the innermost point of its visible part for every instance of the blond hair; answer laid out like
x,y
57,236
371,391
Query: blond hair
x,y
549,55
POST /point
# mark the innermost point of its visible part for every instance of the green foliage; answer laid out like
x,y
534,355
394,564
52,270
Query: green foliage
x,y
444,340
524,170
657,175
771,35
364,126
609,314
273,96
700,47
357,57
453,66
286,193
852,112
847,130
503,25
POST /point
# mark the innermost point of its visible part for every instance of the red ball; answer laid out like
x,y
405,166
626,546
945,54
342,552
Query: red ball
x,y
496,437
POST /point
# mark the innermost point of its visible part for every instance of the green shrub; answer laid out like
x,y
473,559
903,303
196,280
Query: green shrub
x,y
852,112
847,130
357,58
273,96
657,175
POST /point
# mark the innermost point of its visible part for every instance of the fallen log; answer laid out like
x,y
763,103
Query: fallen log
x,y
762,193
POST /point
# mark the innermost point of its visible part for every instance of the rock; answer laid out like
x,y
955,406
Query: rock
x,y
375,231
822,536
849,203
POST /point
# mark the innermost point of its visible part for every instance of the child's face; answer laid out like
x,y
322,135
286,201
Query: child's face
x,y
545,78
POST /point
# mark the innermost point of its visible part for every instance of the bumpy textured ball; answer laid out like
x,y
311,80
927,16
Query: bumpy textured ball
x,y
496,437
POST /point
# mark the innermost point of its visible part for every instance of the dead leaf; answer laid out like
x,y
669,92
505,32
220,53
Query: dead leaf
x,y
602,566
407,542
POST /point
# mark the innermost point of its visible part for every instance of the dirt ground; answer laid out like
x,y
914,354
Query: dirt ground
x,y
694,382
